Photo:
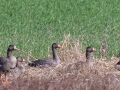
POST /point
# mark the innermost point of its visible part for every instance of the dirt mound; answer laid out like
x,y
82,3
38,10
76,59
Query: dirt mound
x,y
71,74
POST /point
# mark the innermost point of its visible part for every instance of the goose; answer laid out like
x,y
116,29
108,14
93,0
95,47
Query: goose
x,y
47,61
7,63
19,69
88,62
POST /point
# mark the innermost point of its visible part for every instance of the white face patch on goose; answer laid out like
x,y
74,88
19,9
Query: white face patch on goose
x,y
94,49
15,48
59,46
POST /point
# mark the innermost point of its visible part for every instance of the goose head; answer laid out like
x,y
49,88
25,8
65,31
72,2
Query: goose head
x,y
89,50
55,45
12,47
20,59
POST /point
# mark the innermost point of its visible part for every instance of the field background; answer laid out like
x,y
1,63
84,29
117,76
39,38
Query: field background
x,y
33,25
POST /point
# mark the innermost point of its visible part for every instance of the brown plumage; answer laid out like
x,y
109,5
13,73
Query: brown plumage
x,y
47,61
19,69
81,64
20,59
7,63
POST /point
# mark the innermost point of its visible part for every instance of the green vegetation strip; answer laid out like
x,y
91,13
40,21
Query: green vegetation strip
x,y
33,25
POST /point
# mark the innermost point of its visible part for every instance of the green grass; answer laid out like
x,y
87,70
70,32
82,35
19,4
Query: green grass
x,y
33,25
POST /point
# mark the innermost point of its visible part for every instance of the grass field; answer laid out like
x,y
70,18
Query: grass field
x,y
33,25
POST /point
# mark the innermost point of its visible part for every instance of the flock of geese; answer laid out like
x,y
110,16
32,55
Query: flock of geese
x,y
10,63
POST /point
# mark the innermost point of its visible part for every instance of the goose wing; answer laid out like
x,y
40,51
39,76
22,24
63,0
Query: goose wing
x,y
42,62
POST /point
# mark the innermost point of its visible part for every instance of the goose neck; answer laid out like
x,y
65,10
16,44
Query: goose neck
x,y
53,52
9,53
55,56
88,55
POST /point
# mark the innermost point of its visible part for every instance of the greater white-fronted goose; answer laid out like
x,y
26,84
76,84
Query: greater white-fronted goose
x,y
81,64
7,63
19,69
47,61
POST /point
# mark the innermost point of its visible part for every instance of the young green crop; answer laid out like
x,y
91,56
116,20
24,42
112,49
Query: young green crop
x,y
33,25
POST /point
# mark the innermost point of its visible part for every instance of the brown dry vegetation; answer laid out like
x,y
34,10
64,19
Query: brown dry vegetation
x,y
71,74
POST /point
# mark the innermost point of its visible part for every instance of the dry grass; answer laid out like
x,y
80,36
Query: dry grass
x,y
71,74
